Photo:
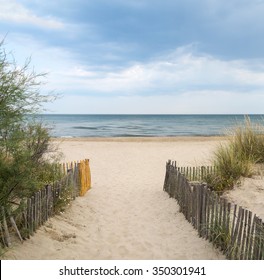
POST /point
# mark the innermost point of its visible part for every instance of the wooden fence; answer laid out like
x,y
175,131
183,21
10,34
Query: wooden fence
x,y
36,210
198,173
236,231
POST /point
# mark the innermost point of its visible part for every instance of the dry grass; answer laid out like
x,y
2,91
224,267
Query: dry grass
x,y
238,158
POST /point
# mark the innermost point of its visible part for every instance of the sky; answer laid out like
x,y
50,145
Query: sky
x,y
142,56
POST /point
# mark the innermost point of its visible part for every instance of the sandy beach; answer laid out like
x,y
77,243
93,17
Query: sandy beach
x,y
126,214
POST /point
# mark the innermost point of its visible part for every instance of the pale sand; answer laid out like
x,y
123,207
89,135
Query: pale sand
x,y
126,214
249,194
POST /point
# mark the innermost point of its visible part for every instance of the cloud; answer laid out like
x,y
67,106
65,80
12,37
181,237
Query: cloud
x,y
228,29
12,11
177,72
116,32
166,54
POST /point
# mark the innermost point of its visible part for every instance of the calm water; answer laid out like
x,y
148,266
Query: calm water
x,y
142,125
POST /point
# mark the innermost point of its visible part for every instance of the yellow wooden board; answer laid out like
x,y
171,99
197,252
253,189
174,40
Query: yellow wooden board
x,y
85,176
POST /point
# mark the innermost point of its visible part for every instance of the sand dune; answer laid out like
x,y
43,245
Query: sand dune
x,y
126,214
249,194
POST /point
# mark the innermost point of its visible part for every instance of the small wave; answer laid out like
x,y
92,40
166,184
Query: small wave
x,y
85,127
130,127
131,135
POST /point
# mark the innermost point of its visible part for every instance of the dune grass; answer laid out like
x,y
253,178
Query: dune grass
x,y
248,141
237,158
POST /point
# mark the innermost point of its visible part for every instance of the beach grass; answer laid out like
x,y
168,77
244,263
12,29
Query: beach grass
x,y
238,157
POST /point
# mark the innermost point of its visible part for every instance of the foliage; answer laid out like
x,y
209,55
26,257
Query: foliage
x,y
221,237
25,164
19,92
229,168
63,200
238,157
248,141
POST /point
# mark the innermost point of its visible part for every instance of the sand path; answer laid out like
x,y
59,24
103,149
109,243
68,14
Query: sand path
x,y
126,214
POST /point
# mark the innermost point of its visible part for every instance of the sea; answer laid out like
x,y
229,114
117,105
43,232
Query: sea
x,y
70,126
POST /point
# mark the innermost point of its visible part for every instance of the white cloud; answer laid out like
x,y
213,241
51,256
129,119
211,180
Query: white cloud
x,y
12,11
179,82
175,73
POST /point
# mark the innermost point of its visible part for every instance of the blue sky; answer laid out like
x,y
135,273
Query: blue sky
x,y
142,56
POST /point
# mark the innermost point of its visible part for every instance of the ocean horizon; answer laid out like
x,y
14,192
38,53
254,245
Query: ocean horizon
x,y
140,125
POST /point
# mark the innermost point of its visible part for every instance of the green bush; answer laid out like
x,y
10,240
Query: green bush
x,y
63,200
25,148
25,167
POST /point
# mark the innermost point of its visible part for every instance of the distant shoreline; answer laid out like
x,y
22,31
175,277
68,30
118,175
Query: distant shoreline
x,y
141,139
139,126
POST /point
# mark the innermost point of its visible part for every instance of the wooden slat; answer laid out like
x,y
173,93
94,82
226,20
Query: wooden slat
x,y
240,232
255,243
208,210
212,218
12,220
244,238
262,237
203,214
3,235
249,225
228,227
220,224
6,232
258,238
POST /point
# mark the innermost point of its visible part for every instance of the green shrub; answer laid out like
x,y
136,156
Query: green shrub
x,y
25,167
24,144
63,200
